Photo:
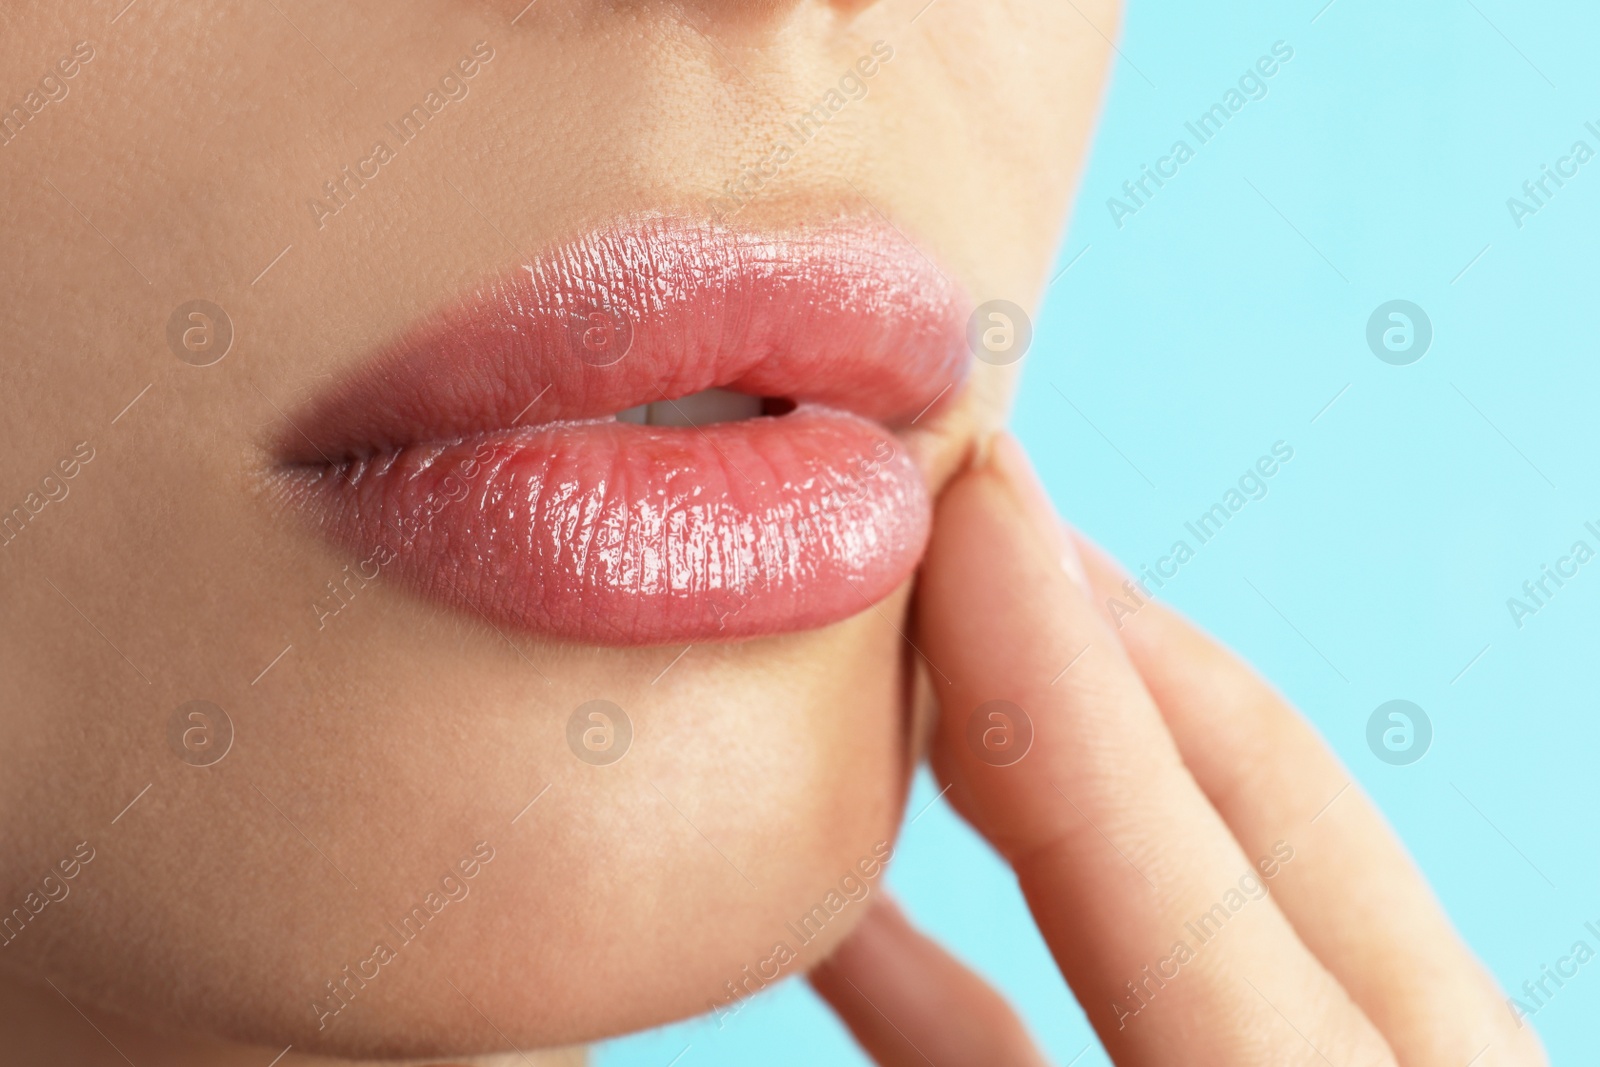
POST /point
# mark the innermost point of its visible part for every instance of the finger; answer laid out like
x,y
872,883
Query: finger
x,y
1156,917
910,1003
1351,891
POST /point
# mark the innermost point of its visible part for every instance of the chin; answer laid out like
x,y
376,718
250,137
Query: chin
x,y
406,857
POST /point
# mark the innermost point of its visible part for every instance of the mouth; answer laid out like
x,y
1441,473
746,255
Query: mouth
x,y
658,432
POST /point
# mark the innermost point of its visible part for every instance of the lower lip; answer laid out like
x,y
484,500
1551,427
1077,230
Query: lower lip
x,y
618,534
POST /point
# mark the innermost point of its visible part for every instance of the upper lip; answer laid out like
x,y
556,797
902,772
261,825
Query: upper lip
x,y
847,315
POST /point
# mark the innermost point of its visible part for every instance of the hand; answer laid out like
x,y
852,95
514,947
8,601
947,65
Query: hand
x,y
1210,881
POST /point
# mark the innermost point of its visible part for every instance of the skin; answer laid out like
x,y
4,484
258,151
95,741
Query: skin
x,y
381,749
1185,777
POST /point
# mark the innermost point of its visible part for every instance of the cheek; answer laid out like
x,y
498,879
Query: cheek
x,y
758,775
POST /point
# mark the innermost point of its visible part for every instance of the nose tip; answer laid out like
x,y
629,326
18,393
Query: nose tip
x,y
752,13
741,11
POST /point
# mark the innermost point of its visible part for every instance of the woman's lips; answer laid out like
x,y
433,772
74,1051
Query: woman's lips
x,y
479,462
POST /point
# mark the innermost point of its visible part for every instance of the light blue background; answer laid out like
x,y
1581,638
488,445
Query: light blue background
x,y
1216,322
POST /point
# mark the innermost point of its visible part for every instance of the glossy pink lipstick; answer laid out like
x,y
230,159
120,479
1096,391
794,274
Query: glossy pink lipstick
x,y
663,431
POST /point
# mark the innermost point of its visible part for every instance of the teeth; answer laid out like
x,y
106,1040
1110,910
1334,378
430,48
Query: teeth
x,y
696,409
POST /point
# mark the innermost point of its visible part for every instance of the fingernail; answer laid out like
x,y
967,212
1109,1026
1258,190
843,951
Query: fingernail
x,y
1011,463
